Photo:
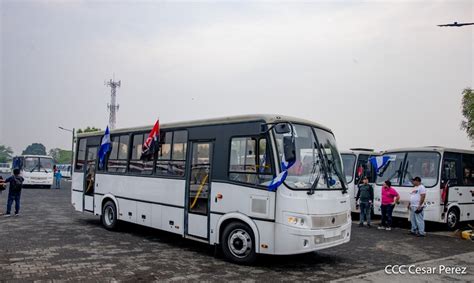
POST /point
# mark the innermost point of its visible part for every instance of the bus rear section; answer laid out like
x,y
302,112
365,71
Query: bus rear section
x,y
209,181
37,170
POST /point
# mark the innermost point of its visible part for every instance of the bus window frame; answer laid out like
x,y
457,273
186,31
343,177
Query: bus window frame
x,y
457,157
402,176
186,161
130,150
356,158
461,176
107,157
229,151
76,155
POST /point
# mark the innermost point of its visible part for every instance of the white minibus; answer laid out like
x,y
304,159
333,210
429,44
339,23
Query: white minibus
x,y
447,174
37,170
210,181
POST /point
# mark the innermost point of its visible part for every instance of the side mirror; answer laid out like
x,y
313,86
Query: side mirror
x,y
289,149
282,128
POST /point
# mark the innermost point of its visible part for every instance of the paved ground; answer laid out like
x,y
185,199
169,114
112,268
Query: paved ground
x,y
50,241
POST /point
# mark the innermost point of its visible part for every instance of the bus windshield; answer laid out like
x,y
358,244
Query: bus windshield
x,y
348,162
392,171
424,165
38,164
313,164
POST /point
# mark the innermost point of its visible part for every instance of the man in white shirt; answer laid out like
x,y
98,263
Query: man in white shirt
x,y
416,207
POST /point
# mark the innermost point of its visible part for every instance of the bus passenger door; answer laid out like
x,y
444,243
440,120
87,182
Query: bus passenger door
x,y
198,190
89,178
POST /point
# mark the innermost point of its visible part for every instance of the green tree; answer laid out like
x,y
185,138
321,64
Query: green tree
x,y
468,112
60,156
6,154
88,130
35,149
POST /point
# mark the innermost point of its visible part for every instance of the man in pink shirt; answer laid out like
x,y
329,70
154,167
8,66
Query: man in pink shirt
x,y
390,197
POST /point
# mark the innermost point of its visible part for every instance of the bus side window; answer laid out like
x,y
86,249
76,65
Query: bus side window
x,y
468,169
250,161
449,172
138,166
117,161
81,155
172,154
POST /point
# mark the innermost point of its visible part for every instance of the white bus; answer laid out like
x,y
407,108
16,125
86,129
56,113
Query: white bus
x,y
5,168
209,182
447,174
37,170
356,164
65,170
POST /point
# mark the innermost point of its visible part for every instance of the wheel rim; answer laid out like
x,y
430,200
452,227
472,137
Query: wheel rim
x,y
452,219
239,243
109,215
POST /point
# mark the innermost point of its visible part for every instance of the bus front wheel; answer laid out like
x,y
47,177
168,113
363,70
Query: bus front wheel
x,y
452,219
238,243
109,215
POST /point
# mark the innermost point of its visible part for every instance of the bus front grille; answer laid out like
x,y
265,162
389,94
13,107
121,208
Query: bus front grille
x,y
329,221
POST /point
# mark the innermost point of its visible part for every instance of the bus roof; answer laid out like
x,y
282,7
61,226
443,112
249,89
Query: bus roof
x,y
430,149
357,151
32,155
268,118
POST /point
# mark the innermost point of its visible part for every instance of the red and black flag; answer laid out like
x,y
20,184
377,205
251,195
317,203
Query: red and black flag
x,y
151,143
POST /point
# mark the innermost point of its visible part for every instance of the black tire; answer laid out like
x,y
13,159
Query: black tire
x,y
238,243
452,218
109,216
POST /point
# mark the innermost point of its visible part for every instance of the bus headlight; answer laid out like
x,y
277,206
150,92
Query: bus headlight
x,y
297,221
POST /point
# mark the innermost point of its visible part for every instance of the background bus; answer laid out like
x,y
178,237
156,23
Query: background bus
x,y
37,170
65,170
447,174
5,168
209,182
356,165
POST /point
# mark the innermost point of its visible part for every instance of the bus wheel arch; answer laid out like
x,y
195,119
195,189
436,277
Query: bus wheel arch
x,y
109,213
238,242
227,219
453,217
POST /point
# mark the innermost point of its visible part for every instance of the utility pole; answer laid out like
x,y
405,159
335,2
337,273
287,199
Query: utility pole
x,y
113,106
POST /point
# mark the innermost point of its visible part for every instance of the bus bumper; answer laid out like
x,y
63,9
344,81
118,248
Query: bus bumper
x,y
291,240
38,182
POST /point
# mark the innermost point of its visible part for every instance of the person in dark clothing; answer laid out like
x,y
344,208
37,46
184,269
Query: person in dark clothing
x,y
365,198
14,193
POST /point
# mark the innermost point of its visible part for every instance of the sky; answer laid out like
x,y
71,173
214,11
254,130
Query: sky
x,y
380,74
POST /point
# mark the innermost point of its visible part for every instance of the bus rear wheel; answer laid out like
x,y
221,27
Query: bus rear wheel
x,y
109,216
238,243
452,218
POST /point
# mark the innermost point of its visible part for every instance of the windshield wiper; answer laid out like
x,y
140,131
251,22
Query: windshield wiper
x,y
34,168
324,163
44,169
315,183
384,168
338,174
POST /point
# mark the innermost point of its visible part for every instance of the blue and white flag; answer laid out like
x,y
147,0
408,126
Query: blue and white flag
x,y
378,162
105,147
280,178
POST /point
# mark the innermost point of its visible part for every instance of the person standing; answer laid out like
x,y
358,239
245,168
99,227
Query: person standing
x,y
390,197
14,193
416,206
365,197
57,178
2,188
